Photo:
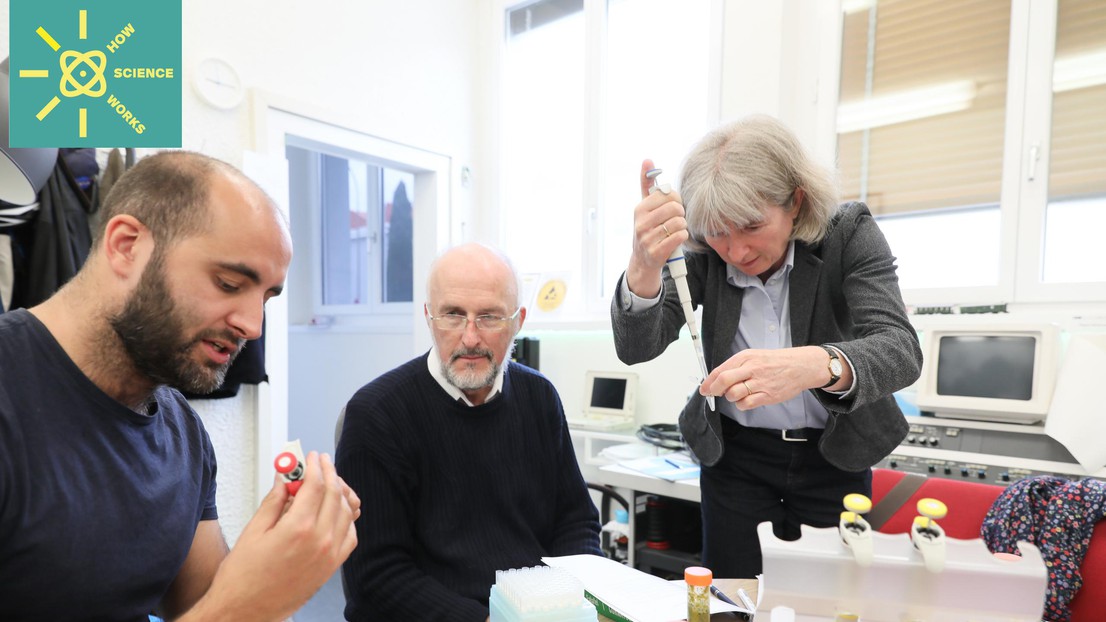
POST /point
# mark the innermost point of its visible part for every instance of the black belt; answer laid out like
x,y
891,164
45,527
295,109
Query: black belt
x,y
796,435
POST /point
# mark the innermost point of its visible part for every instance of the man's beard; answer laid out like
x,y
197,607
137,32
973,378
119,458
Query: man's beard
x,y
152,331
470,379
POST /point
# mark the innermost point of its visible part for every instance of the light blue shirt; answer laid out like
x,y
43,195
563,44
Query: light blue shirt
x,y
765,324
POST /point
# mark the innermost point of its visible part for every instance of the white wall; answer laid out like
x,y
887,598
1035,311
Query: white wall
x,y
782,58
663,383
327,367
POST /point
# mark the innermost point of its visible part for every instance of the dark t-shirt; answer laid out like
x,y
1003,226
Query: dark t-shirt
x,y
98,504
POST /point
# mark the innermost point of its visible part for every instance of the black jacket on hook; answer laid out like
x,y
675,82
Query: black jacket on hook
x,y
54,246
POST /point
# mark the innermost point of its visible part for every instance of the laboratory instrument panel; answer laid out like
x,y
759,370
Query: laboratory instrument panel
x,y
981,451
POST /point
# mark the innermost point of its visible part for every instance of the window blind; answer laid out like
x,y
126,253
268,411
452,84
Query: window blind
x,y
1078,150
943,160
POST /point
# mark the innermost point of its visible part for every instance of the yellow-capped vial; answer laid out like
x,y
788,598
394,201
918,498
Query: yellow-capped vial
x,y
856,502
932,508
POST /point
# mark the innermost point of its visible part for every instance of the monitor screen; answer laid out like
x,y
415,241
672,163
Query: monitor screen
x,y
987,369
608,393
986,366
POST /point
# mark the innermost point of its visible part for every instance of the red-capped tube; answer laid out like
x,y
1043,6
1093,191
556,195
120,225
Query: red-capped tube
x,y
285,462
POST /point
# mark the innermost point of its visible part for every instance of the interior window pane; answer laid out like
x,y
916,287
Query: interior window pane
x,y
529,16
921,122
1076,211
399,200
344,231
1073,241
949,248
656,107
542,146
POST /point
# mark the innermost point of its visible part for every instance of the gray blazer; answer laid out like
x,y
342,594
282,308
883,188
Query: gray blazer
x,y
844,292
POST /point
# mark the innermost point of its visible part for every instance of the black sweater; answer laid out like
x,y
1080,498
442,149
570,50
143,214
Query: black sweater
x,y
451,493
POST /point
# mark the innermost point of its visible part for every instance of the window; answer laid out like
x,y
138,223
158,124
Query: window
x,y
590,88
543,125
920,124
366,234
1076,209
933,247
367,216
974,130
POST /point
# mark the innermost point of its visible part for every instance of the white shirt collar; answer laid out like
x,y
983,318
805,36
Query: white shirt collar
x,y
434,364
740,279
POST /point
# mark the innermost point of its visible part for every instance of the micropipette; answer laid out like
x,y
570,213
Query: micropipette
x,y
677,267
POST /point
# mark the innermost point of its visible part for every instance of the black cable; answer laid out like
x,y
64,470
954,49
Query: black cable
x,y
608,493
663,435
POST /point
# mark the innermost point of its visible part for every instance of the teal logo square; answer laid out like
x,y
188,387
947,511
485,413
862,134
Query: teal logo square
x,y
95,74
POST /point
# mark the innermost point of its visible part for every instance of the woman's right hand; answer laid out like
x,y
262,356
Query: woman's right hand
x,y
659,228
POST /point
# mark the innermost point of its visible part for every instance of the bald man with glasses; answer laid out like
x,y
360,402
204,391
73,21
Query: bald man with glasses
x,y
463,457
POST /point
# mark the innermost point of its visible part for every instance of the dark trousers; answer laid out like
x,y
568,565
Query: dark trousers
x,y
762,477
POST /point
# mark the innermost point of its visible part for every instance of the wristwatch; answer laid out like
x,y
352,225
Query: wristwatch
x,y
834,367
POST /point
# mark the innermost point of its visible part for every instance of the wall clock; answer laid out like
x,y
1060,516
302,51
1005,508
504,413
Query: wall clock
x,y
217,83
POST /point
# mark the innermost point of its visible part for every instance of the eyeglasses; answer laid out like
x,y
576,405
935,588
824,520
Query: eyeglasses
x,y
484,323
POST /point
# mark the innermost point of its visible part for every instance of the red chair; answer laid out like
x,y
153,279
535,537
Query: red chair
x,y
968,503
1090,603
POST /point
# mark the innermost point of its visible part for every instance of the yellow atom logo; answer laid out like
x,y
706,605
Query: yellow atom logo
x,y
95,60
95,86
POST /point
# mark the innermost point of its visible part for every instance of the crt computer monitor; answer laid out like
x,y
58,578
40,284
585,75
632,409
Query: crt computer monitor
x,y
989,372
610,394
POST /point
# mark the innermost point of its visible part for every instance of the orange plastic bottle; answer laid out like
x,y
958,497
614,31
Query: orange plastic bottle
x,y
698,581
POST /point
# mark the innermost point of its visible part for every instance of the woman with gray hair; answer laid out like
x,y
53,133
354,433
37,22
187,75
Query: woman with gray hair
x,y
805,333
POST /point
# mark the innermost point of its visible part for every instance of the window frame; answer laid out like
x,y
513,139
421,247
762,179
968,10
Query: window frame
x,y
1023,202
431,220
1041,20
595,309
374,258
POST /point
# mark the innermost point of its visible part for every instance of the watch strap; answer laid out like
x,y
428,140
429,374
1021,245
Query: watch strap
x,y
833,357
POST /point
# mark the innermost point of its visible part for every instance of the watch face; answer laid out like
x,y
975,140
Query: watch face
x,y
835,367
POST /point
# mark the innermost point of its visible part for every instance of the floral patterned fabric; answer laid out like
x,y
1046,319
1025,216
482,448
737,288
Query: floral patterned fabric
x,y
1057,515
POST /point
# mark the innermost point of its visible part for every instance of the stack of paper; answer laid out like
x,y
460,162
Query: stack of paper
x,y
672,467
622,593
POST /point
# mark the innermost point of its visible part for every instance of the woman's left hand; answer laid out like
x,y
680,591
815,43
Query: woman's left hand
x,y
753,378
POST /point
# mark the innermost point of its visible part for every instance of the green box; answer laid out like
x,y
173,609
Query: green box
x,y
102,74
